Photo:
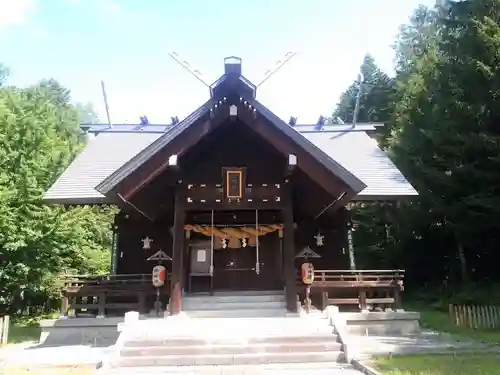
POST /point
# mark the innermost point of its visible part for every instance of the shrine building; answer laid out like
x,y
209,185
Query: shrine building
x,y
230,198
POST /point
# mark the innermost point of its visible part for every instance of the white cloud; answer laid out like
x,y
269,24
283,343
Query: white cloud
x,y
15,12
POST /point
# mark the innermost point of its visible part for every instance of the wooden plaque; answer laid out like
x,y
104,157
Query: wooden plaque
x,y
234,183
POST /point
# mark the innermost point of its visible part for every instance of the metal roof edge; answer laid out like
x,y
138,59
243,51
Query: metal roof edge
x,y
347,177
126,169
80,201
391,197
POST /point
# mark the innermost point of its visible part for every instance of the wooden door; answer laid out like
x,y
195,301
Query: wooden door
x,y
235,269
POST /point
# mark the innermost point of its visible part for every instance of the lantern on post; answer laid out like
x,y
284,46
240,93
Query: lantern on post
x,y
158,280
158,276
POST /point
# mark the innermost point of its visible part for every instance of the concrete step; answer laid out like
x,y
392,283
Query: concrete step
x,y
227,328
264,348
190,305
233,298
196,341
224,359
261,312
321,368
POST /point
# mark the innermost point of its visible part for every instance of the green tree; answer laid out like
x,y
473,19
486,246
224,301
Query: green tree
x,y
4,73
416,38
87,114
377,89
376,101
446,136
39,136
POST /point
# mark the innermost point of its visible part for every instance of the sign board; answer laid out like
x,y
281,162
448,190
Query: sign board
x,y
201,255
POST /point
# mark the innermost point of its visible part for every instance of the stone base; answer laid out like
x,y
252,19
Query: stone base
x,y
79,331
382,323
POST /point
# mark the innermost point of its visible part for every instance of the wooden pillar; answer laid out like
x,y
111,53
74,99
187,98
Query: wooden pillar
x,y
177,252
64,305
289,249
114,247
350,242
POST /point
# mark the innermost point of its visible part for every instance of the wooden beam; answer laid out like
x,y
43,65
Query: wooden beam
x,y
289,249
287,146
177,252
178,146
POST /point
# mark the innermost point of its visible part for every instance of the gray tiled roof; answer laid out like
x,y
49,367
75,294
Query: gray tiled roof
x,y
108,151
360,154
103,155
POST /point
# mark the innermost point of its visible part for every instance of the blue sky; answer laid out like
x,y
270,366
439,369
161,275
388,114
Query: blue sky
x,y
126,43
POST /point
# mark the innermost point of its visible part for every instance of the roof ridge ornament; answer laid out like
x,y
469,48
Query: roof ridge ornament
x,y
186,65
277,66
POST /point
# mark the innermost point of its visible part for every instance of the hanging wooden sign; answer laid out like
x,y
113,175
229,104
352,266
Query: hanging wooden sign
x,y
234,183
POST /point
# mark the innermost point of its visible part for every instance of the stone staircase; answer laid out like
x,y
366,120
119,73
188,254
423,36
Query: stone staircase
x,y
231,305
244,334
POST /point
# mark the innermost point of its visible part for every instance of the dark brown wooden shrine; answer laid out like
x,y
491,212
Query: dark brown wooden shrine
x,y
197,189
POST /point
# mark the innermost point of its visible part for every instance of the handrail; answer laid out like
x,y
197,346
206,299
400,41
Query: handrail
x,y
360,271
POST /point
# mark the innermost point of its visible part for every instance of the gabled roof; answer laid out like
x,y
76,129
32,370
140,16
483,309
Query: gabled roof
x,y
108,151
116,153
129,167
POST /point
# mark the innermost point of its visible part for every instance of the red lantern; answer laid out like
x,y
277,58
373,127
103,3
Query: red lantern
x,y
159,275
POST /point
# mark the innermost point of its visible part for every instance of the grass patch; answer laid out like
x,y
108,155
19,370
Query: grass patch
x,y
26,329
465,364
19,333
49,370
440,321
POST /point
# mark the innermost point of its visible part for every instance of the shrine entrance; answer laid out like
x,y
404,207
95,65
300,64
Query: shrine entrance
x,y
235,255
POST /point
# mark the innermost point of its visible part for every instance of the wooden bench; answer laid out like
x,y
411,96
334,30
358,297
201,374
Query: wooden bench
x,y
93,293
367,284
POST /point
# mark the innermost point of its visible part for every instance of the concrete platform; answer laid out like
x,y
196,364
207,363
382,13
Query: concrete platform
x,y
322,368
96,332
382,323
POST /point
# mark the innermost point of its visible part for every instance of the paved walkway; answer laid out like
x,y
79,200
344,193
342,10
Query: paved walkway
x,y
58,356
426,342
277,369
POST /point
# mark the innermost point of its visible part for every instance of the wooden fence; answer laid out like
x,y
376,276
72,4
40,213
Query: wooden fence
x,y
4,329
475,317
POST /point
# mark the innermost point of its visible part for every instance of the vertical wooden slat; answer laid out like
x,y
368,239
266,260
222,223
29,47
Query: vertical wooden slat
x,y
5,329
480,319
491,322
362,299
102,304
461,310
484,316
177,252
289,249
